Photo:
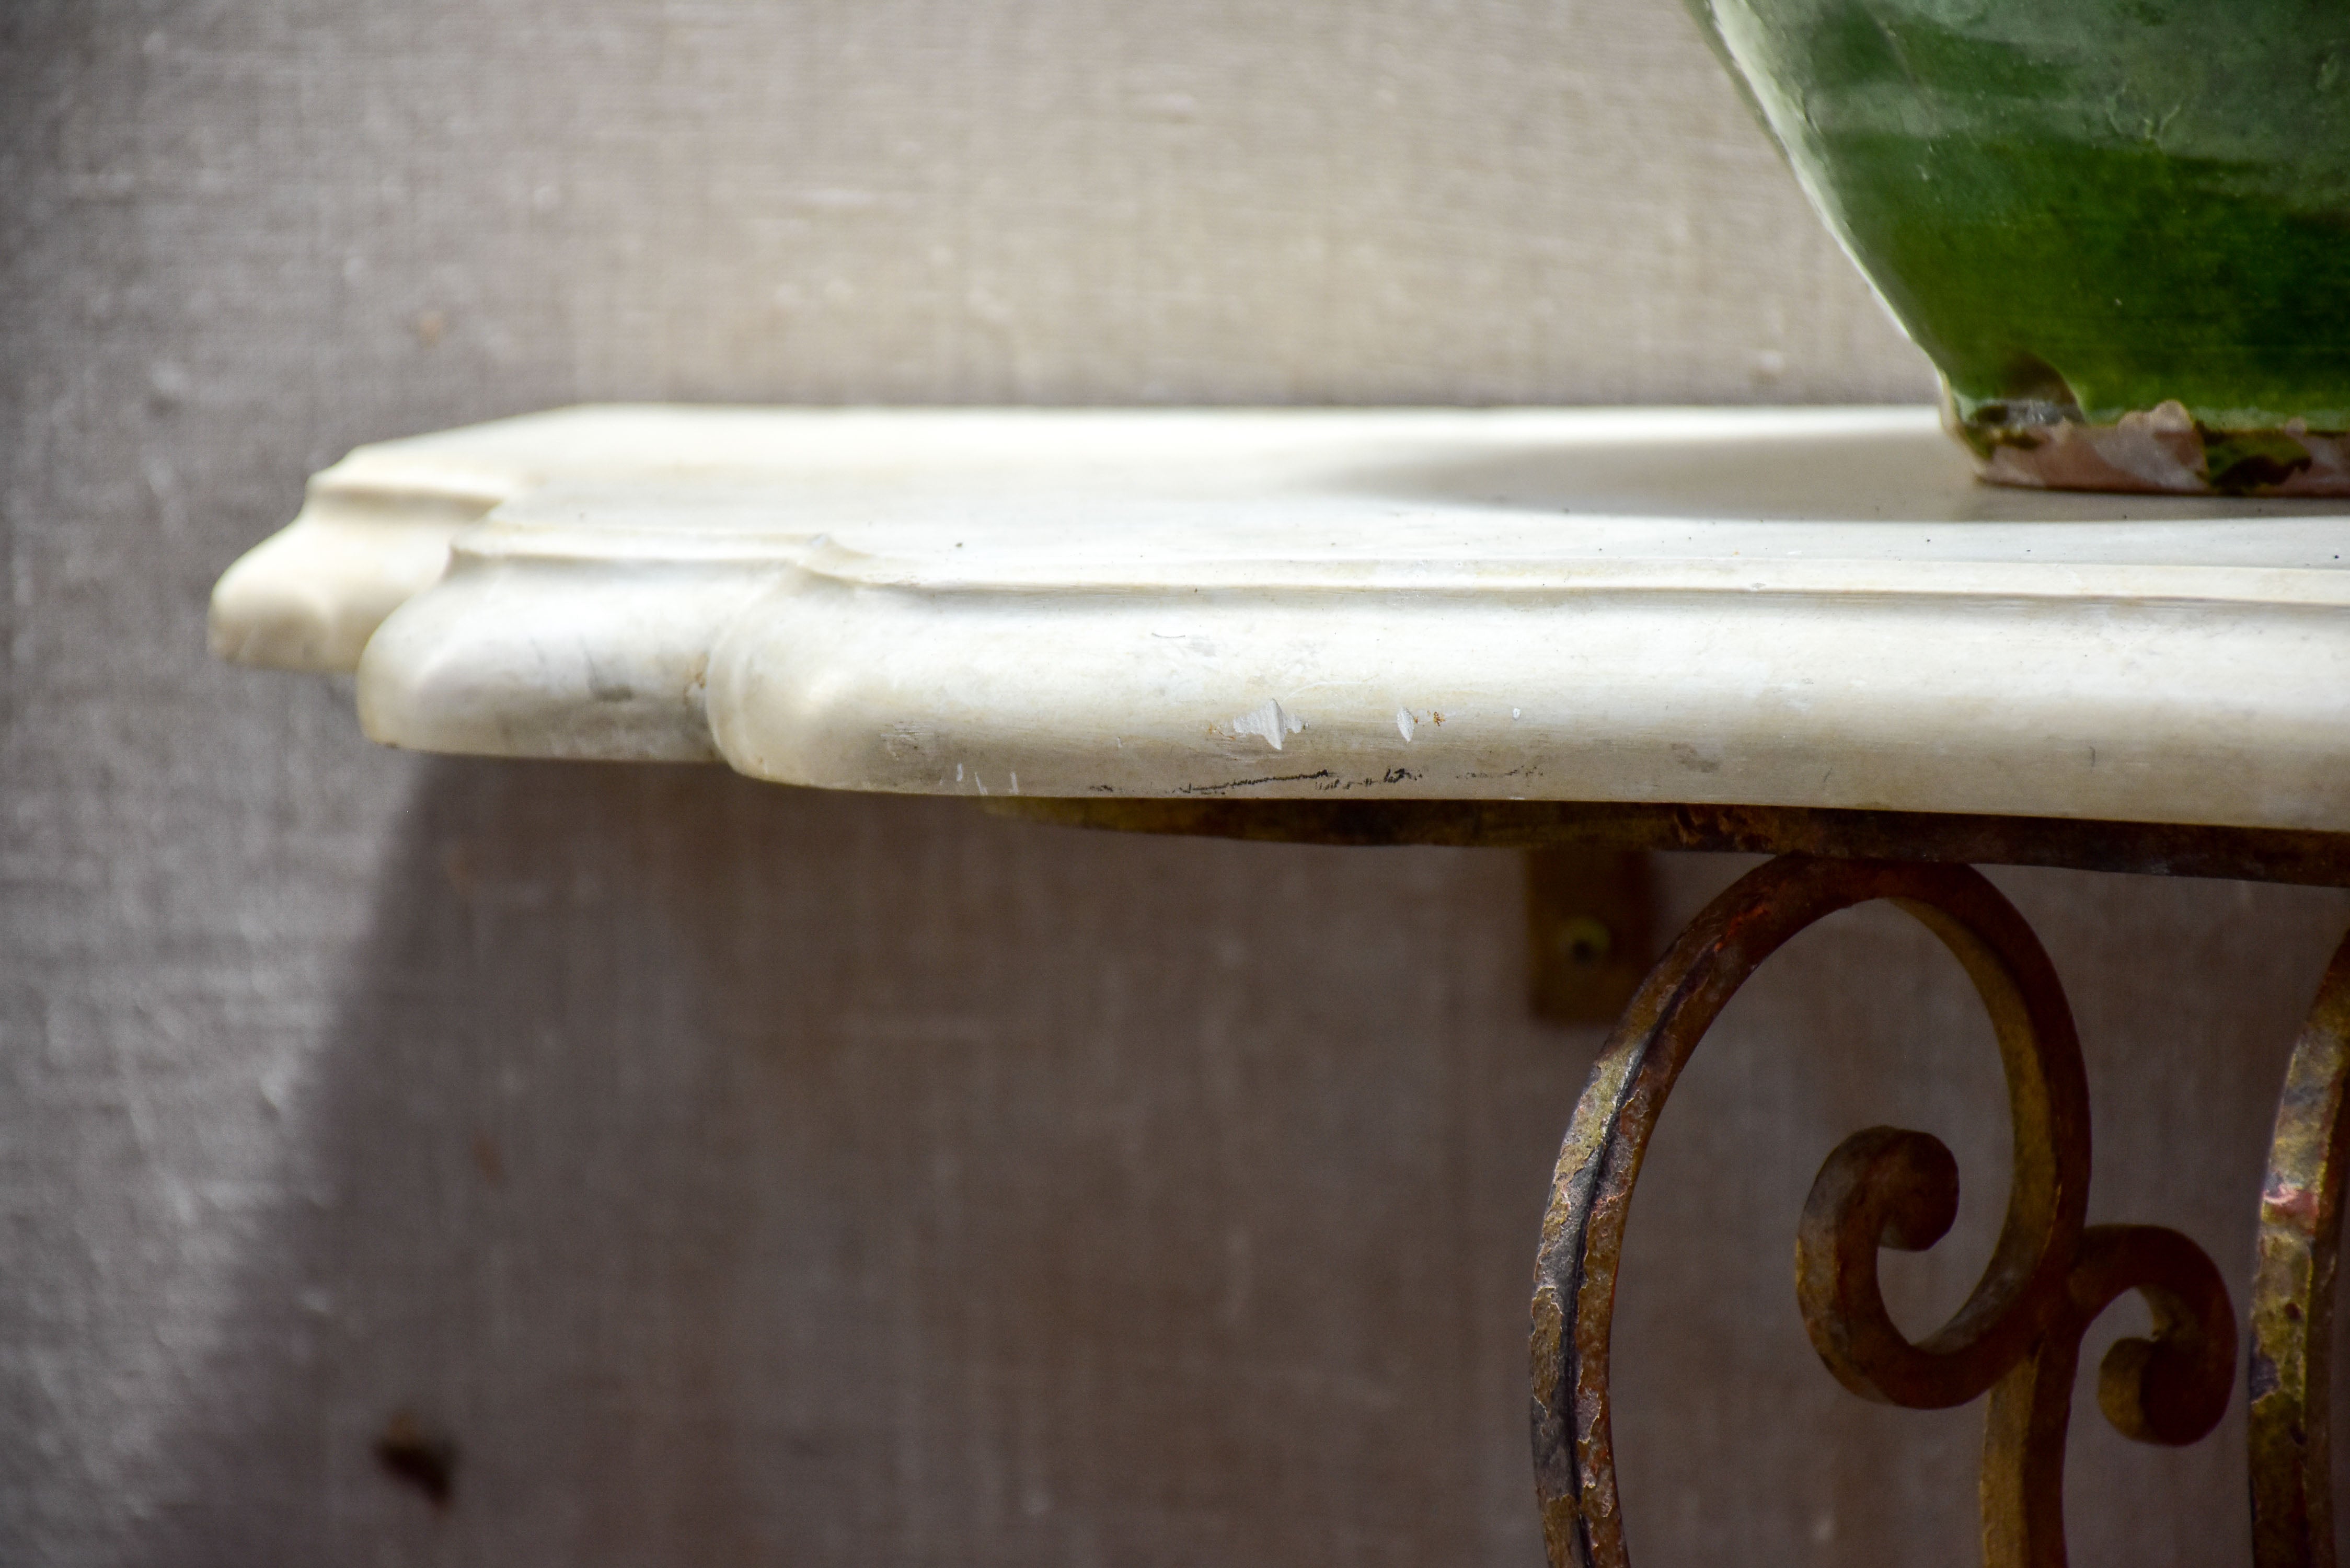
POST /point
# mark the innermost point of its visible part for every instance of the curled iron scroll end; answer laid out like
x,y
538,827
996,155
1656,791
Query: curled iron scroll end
x,y
1882,1187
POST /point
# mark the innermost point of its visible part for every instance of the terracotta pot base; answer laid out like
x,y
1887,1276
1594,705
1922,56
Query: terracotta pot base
x,y
2159,451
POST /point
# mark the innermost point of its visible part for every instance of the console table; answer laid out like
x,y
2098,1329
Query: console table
x,y
1805,632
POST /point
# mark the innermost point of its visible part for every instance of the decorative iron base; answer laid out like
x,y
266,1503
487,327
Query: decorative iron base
x,y
2018,1335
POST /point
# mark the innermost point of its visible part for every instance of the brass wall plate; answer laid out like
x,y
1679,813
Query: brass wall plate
x,y
1588,932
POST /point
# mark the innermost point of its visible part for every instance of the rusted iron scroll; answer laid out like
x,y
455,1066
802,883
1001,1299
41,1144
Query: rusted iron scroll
x,y
2018,1334
2292,1292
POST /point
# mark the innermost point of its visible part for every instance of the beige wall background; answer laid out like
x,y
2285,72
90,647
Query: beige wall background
x,y
742,1175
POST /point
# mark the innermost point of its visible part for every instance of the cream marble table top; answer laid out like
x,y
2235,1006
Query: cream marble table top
x,y
1812,607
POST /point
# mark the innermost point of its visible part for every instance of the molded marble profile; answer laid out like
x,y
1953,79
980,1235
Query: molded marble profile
x,y
1792,606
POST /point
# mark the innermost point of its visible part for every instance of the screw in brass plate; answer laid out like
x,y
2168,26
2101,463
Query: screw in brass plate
x,y
1587,928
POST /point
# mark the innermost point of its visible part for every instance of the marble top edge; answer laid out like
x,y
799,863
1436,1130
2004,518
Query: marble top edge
x,y
1796,607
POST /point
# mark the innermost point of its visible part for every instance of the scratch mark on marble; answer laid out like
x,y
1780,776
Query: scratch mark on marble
x,y
1244,784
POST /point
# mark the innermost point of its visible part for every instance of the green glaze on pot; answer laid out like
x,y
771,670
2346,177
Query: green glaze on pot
x,y
2088,212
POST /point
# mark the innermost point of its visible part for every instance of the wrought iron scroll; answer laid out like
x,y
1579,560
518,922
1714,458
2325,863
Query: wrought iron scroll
x,y
2292,1292
2018,1334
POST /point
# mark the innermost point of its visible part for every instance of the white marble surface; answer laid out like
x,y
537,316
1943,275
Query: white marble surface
x,y
1789,607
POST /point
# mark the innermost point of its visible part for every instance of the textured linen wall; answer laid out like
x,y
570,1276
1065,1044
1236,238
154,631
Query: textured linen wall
x,y
741,1175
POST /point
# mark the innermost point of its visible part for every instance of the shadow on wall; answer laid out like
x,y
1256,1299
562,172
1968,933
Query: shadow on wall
x,y
734,1174
709,1172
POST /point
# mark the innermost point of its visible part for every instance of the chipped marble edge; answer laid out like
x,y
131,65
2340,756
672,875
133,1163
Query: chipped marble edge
x,y
805,676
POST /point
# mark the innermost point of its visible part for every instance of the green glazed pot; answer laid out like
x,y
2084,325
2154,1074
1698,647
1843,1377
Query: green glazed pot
x,y
2121,228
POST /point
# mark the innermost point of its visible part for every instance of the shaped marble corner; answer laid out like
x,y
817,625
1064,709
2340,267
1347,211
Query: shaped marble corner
x,y
373,532
578,622
375,529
